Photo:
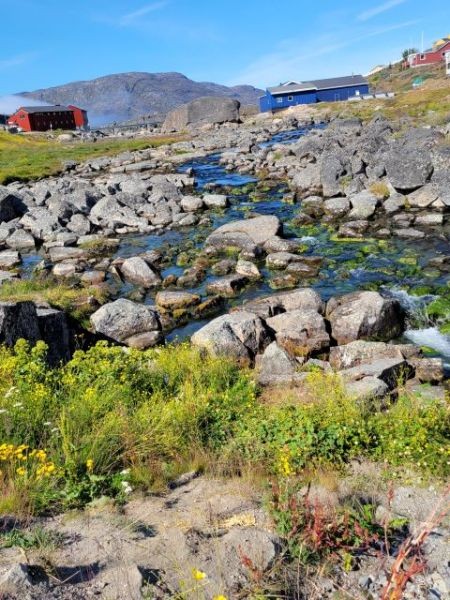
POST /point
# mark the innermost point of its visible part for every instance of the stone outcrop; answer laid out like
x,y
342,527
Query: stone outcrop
x,y
210,109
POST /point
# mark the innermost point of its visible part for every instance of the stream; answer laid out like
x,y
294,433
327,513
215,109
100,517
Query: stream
x,y
395,267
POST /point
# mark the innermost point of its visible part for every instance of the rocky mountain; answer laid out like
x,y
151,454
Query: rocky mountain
x,y
127,96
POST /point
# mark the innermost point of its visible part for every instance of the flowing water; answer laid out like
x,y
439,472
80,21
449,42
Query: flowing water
x,y
395,267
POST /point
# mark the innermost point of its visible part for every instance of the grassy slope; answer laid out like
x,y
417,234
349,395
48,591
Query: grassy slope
x,y
27,157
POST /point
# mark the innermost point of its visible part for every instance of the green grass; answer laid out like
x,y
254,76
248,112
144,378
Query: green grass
x,y
28,157
111,420
74,299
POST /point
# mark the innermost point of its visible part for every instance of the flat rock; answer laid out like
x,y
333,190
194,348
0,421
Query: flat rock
x,y
336,207
9,259
364,205
228,286
247,269
258,229
176,300
360,351
300,299
215,200
388,370
191,203
21,240
368,388
423,197
58,254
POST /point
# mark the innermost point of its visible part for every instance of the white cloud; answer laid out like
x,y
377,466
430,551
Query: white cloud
x,y
134,17
378,10
16,61
290,61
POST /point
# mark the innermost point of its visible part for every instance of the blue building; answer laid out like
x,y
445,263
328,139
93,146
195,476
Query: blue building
x,y
293,93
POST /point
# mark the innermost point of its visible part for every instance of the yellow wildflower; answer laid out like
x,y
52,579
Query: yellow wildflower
x,y
21,471
90,465
198,575
220,597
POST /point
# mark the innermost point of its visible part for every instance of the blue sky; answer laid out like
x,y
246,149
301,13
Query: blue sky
x,y
50,42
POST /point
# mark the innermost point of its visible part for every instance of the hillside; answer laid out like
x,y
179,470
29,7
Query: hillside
x,y
128,96
397,80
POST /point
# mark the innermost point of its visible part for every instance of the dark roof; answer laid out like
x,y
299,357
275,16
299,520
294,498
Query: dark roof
x,y
46,109
320,84
336,82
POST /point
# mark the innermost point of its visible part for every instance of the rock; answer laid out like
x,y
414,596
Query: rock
x,y
409,233
394,203
368,388
54,331
307,181
428,370
408,169
93,277
224,267
79,224
65,269
276,367
300,299
215,200
40,222
142,341
360,351
364,315
227,286
240,335
364,205
123,581
137,271
176,300
123,319
388,370
15,581
313,206
11,205
18,320
255,231
430,219
247,269
423,197
20,240
336,207
191,203
203,110
58,254
9,259
300,332
276,244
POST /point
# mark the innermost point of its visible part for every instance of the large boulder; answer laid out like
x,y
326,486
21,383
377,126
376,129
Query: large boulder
x,y
55,332
239,335
364,315
359,352
124,321
11,205
300,332
202,111
408,169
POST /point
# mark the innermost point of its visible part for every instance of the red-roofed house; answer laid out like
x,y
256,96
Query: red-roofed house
x,y
430,57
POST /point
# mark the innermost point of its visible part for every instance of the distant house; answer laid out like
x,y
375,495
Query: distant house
x,y
432,56
44,118
294,93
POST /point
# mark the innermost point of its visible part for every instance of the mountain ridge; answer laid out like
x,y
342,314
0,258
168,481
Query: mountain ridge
x,y
126,96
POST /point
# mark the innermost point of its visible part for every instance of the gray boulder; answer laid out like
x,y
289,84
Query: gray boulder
x,y
240,335
136,270
123,319
408,169
300,299
300,332
227,286
55,332
364,205
202,111
368,388
11,205
360,351
215,200
9,259
276,367
176,300
364,315
336,207
21,240
388,370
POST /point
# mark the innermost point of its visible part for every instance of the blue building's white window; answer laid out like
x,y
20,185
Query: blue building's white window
x,y
280,100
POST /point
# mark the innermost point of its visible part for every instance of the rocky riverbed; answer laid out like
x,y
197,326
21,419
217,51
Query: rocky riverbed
x,y
198,228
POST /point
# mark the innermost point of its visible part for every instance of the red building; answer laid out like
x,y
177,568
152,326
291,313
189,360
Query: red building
x,y
430,57
44,118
